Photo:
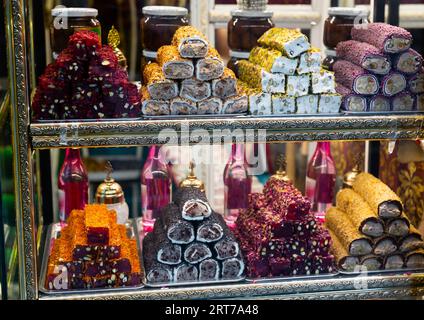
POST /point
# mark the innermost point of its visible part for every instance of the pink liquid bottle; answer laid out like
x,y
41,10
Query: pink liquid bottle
x,y
238,184
321,180
155,187
73,184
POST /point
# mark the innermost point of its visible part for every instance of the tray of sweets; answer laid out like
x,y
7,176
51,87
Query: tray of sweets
x,y
294,278
406,271
195,116
382,113
52,234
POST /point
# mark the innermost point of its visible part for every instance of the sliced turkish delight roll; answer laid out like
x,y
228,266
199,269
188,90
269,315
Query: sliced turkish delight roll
x,y
392,84
330,103
211,229
232,268
379,103
273,60
289,41
260,103
209,270
338,222
185,273
323,82
309,62
307,104
298,85
419,102
151,107
256,77
416,82
365,55
257,266
181,106
359,213
415,259
385,37
384,246
408,62
195,90
371,263
398,227
403,101
193,204
393,262
235,105
351,101
197,252
355,78
178,230
344,260
210,67
166,251
159,87
227,247
191,43
412,241
173,66
378,195
226,85
157,272
211,105
280,266
283,104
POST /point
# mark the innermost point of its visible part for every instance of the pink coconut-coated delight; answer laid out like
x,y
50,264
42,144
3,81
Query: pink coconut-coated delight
x,y
408,62
385,37
379,103
393,84
403,101
365,55
351,101
416,82
355,78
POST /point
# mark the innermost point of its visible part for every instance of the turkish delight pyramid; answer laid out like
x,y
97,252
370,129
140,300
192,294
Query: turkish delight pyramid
x,y
85,82
279,235
93,251
190,242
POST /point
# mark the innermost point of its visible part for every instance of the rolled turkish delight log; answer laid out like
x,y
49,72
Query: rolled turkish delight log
x,y
235,105
419,102
257,77
191,43
403,101
209,270
193,204
310,62
159,87
330,103
166,251
173,66
155,272
225,86
211,105
151,107
307,104
371,263
392,84
355,78
408,62
344,260
398,227
211,229
289,41
323,82
365,55
378,195
412,241
232,268
181,106
351,101
384,246
393,262
338,222
228,247
379,103
298,86
416,82
185,273
195,90
283,104
210,67
197,252
415,259
260,103
177,230
385,37
359,213
273,61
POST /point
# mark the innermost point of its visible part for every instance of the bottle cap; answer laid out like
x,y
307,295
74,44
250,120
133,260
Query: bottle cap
x,y
113,40
60,11
281,173
348,11
191,181
109,192
165,11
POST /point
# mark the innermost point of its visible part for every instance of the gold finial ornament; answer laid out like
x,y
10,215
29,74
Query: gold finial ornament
x,y
191,181
109,192
350,176
281,173
113,40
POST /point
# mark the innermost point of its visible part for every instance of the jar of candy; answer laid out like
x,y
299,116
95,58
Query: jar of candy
x,y
159,24
339,24
235,57
65,21
330,59
246,27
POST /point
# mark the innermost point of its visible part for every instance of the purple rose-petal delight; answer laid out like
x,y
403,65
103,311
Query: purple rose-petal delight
x,y
355,78
408,62
351,101
404,101
393,84
416,82
379,103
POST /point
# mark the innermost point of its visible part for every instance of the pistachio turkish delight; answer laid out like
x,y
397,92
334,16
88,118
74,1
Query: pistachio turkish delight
x,y
307,104
289,41
211,105
257,77
283,104
151,107
173,65
323,82
181,106
236,104
210,67
195,90
309,62
273,61
191,43
260,103
329,103
225,86
159,87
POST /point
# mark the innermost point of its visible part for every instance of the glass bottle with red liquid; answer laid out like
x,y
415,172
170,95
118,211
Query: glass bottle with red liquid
x,y
155,187
237,182
321,180
73,184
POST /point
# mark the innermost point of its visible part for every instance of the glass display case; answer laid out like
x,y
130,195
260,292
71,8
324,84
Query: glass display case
x,y
339,216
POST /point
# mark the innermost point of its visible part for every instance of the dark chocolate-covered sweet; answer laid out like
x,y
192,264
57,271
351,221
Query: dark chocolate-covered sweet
x,y
232,268
185,273
209,270
167,252
211,230
178,230
384,246
228,247
193,204
197,252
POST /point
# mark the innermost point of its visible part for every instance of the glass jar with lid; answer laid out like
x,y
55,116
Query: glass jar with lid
x,y
159,24
246,27
65,21
330,59
339,24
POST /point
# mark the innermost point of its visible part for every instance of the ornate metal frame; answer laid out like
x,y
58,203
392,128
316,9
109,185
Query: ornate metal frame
x,y
144,132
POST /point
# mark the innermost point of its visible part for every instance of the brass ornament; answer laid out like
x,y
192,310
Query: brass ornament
x,y
281,173
109,192
114,40
191,181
